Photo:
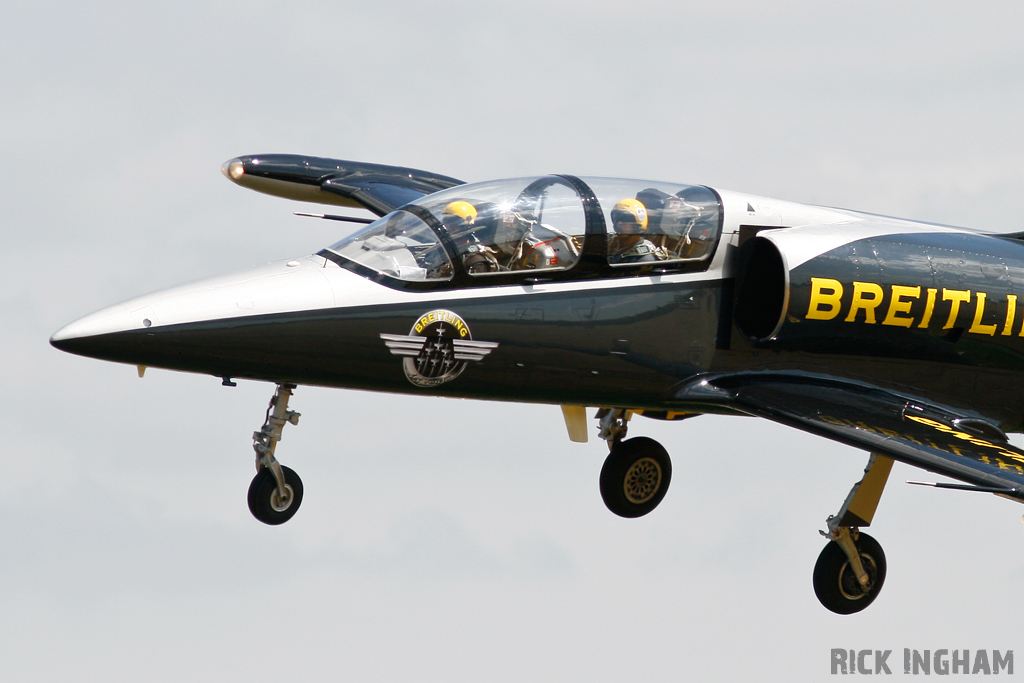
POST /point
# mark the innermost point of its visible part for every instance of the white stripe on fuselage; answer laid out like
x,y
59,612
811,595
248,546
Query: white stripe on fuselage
x,y
808,231
314,284
809,241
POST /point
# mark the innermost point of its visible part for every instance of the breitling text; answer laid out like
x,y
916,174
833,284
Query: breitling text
x,y
442,316
826,303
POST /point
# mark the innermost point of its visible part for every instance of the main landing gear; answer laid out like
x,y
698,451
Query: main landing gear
x,y
276,491
637,472
850,571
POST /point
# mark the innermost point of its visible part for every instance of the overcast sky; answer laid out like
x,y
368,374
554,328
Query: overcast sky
x,y
444,540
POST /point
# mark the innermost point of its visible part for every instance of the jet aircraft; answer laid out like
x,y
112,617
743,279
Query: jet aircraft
x,y
901,338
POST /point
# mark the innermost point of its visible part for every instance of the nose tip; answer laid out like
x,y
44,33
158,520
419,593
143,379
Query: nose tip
x,y
80,336
70,343
60,341
69,340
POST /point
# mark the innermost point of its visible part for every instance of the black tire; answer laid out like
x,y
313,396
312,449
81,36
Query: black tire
x,y
263,497
635,477
836,585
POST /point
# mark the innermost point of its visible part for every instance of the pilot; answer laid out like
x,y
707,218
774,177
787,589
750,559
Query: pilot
x,y
628,245
526,244
459,218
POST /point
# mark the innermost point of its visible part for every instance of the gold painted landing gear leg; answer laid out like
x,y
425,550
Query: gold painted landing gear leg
x,y
276,491
851,568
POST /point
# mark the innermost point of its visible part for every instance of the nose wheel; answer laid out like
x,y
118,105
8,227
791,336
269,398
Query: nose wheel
x,y
265,500
276,491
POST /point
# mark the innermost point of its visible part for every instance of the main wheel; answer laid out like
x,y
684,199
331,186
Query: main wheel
x,y
635,477
835,583
265,502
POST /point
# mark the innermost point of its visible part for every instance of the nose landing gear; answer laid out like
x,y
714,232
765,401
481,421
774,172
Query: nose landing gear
x,y
276,491
637,471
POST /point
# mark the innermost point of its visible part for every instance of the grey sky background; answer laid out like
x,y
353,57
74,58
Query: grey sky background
x,y
445,540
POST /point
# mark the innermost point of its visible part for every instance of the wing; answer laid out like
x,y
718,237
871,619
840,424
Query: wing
x,y
933,437
376,187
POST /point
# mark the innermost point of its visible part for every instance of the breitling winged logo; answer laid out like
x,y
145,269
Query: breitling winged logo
x,y
437,348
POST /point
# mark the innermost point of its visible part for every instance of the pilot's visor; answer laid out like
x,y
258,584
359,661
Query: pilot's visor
x,y
452,221
619,216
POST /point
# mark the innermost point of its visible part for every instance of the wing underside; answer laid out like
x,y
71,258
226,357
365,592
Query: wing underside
x,y
928,436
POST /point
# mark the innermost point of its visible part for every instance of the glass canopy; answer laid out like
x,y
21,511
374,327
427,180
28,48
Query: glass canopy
x,y
539,224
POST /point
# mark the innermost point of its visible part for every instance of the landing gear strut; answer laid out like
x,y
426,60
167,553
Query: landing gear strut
x,y
850,571
637,472
276,491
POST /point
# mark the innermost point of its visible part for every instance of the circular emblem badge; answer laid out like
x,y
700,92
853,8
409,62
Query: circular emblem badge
x,y
436,363
437,349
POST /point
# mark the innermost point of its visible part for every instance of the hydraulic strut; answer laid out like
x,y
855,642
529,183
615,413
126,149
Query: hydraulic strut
x,y
264,442
614,424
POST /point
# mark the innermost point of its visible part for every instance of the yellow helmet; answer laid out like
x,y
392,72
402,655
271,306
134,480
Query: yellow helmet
x,y
458,210
630,211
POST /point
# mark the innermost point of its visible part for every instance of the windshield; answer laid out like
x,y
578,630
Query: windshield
x,y
512,225
400,245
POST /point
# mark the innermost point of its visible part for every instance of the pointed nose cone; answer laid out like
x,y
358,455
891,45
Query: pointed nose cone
x,y
89,336
196,327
